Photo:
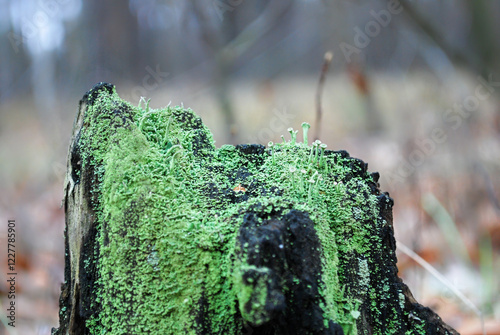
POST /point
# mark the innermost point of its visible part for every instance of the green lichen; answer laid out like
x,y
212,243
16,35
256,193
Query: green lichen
x,y
164,249
364,272
252,295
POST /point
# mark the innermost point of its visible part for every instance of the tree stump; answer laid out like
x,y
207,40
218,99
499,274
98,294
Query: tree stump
x,y
165,234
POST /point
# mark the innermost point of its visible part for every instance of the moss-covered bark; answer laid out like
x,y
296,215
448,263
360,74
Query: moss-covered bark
x,y
165,234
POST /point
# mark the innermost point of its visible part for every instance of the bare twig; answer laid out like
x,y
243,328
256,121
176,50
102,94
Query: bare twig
x,y
326,64
429,268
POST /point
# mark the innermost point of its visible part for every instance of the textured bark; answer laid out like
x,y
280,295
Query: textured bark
x,y
79,233
278,271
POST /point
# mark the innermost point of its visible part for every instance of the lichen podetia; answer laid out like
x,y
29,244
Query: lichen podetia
x,y
194,239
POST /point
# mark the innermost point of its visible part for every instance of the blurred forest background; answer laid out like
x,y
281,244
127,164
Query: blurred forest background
x,y
413,89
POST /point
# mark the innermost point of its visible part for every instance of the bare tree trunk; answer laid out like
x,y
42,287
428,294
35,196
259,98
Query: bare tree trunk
x,y
165,234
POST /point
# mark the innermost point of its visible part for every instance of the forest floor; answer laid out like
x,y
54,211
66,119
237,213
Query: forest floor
x,y
440,163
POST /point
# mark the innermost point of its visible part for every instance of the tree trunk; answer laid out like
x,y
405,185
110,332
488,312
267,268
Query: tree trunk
x,y
165,234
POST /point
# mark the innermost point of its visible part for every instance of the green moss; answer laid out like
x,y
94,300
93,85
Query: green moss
x,y
165,249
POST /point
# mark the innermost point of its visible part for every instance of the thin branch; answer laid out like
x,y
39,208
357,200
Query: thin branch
x,y
432,270
319,111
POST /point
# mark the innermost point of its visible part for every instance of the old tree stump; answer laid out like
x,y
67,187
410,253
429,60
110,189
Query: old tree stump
x,y
165,234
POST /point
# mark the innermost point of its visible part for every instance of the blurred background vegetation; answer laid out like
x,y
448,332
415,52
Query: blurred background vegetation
x,y
413,89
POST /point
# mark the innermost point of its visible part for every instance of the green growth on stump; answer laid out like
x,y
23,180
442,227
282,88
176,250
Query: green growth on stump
x,y
192,239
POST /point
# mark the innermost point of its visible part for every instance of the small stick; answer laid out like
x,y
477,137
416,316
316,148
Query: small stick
x,y
432,270
324,69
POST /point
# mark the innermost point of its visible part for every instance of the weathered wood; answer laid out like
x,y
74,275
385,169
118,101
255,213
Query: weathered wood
x,y
165,234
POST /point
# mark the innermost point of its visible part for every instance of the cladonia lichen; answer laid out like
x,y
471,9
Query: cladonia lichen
x,y
169,208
